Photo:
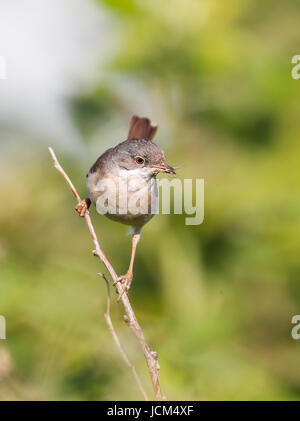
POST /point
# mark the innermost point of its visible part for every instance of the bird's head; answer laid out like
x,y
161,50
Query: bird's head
x,y
141,155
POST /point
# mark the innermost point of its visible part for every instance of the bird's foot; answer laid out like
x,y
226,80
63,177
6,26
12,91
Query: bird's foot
x,y
126,282
82,207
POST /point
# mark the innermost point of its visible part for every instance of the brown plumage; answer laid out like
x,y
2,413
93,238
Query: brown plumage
x,y
141,128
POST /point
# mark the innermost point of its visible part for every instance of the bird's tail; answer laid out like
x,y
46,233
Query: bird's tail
x,y
141,128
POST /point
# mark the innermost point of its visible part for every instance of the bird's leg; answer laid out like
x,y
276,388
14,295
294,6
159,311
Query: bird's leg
x,y
127,278
83,207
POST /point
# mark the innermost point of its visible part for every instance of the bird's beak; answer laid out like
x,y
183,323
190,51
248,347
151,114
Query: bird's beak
x,y
164,168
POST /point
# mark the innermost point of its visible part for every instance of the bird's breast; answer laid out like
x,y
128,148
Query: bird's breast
x,y
129,197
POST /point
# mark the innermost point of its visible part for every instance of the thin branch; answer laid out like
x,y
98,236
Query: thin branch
x,y
117,341
130,318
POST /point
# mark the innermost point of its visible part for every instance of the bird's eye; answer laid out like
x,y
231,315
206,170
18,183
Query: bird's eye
x,y
139,160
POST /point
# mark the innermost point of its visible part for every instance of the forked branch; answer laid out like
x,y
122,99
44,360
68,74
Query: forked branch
x,y
117,341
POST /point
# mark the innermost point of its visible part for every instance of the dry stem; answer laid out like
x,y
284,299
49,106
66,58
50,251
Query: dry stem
x,y
117,341
130,318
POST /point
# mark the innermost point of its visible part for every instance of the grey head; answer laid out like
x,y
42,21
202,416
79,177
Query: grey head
x,y
141,155
138,152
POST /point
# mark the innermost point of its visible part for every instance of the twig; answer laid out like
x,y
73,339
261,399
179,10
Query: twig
x,y
130,318
117,341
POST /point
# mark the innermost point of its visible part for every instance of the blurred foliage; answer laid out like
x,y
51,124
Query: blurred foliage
x,y
215,300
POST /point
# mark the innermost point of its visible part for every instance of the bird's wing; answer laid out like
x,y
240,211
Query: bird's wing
x,y
97,166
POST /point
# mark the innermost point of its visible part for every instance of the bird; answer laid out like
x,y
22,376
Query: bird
x,y
125,176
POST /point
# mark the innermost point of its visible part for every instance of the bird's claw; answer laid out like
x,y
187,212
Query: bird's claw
x,y
82,208
126,282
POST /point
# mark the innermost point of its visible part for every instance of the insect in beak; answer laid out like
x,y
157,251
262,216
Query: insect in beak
x,y
164,168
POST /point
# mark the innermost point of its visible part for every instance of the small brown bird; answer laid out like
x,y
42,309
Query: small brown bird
x,y
122,183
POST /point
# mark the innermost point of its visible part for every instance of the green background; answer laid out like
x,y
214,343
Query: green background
x,y
215,300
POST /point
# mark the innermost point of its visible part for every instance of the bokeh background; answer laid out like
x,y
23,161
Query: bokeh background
x,y
216,300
